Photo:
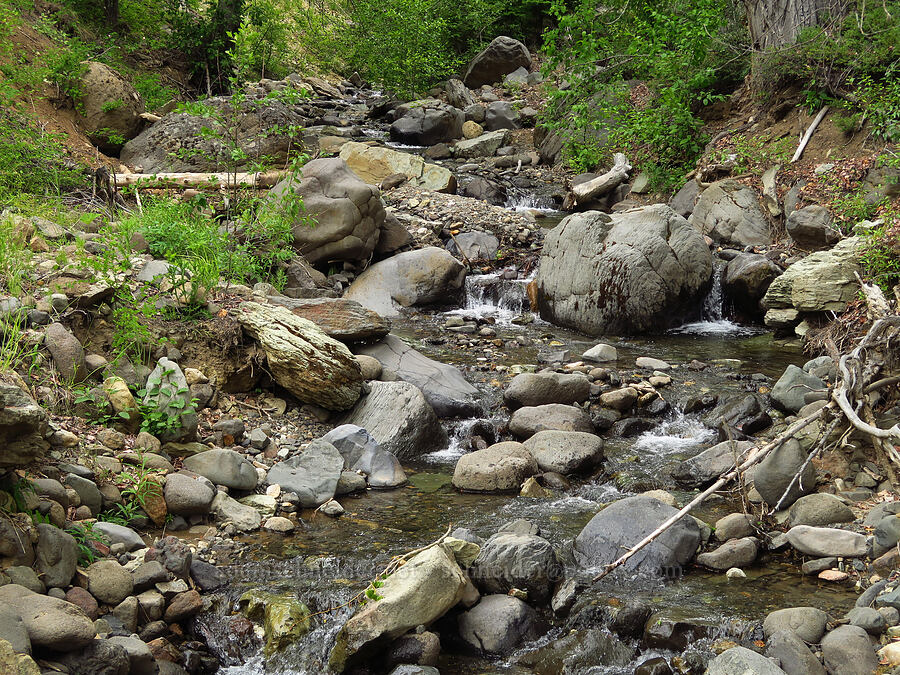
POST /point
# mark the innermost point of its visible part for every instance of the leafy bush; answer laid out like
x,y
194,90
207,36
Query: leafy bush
x,y
676,54
881,255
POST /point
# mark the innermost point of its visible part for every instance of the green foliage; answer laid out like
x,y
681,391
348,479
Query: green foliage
x,y
678,53
153,91
85,539
881,254
14,257
156,420
32,161
753,154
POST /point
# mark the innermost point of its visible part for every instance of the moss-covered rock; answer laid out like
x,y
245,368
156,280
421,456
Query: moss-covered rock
x,y
284,618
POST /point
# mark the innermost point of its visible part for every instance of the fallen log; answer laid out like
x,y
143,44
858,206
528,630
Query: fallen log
x,y
601,185
259,179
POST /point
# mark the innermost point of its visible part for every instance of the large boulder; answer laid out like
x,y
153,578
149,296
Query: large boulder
x,y
339,318
427,122
525,561
484,145
624,523
812,228
313,474
178,142
430,584
399,418
808,623
820,509
109,108
790,391
848,650
444,386
23,424
498,468
565,452
56,556
458,94
362,454
822,281
792,653
501,57
51,623
302,359
501,115
374,163
169,395
67,352
498,624
540,388
347,213
729,213
425,276
747,278
223,467
633,272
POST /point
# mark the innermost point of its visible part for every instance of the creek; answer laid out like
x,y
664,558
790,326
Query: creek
x,y
328,560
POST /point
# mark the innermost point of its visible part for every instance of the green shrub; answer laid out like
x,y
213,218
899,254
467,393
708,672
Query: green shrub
x,y
675,54
881,254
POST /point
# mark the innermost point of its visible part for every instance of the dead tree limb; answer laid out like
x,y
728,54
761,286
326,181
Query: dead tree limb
x,y
260,179
604,184
755,456
804,140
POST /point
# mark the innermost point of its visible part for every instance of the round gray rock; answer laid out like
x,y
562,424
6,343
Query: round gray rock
x,y
109,582
848,650
807,622
188,494
223,467
527,421
565,452
498,624
529,389
523,561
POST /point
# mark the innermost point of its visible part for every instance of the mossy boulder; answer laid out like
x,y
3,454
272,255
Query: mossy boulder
x,y
284,618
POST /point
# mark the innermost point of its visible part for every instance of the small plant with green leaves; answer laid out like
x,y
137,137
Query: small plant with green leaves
x,y
166,405
110,106
881,253
86,540
16,350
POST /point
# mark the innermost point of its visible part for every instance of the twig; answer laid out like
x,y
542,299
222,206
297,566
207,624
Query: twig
x,y
756,455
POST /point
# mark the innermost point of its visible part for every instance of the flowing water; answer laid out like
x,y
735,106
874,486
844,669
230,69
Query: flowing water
x,y
329,560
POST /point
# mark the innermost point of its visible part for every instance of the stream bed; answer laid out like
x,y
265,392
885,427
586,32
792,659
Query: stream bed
x,y
327,561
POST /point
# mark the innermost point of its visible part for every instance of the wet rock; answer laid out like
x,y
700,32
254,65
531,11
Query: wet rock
x,y
533,389
565,452
51,623
397,415
747,278
188,494
669,631
807,622
706,467
425,276
739,661
168,393
373,164
427,122
339,318
313,474
631,272
820,509
498,624
524,561
812,228
629,520
847,650
501,57
207,577
656,665
57,556
444,387
578,652
223,467
183,606
244,518
527,421
302,359
729,212
619,399
733,553
431,584
774,474
500,467
792,654
415,648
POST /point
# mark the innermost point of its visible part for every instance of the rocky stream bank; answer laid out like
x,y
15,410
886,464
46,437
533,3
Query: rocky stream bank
x,y
413,459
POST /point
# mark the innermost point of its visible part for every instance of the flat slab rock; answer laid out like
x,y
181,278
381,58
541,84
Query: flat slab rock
x,y
827,541
339,318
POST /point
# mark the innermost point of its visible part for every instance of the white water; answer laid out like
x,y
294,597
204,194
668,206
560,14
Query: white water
x,y
458,433
530,202
674,435
490,296
712,314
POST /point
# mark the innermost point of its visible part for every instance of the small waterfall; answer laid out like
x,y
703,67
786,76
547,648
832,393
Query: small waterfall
x,y
519,200
713,311
492,296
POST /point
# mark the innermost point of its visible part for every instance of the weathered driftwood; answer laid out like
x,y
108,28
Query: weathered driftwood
x,y
804,140
260,179
602,185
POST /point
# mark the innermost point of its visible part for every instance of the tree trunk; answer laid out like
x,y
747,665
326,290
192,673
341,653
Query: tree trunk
x,y
111,9
776,23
